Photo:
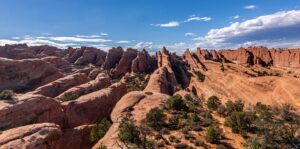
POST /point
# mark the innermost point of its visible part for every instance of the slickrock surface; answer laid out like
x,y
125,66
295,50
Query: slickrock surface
x,y
141,103
26,74
39,136
29,109
93,107
55,88
100,82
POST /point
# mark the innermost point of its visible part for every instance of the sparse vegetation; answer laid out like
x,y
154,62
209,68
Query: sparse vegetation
x,y
176,103
6,95
213,102
99,130
236,106
155,118
200,75
240,122
213,134
68,97
137,82
128,132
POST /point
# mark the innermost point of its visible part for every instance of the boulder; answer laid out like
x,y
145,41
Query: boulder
x,y
26,74
93,107
113,57
28,109
59,63
38,136
56,87
74,54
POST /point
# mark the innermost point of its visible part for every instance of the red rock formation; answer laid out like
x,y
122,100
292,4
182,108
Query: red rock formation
x,y
101,81
26,74
143,62
59,63
286,58
74,54
113,57
28,109
55,88
39,136
93,107
239,56
125,62
91,55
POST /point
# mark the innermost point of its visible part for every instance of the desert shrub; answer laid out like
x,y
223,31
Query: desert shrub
x,y
199,143
137,82
200,75
194,118
68,97
236,106
221,110
128,132
285,112
252,143
213,102
176,103
155,118
213,134
181,146
264,112
240,122
173,123
99,130
6,95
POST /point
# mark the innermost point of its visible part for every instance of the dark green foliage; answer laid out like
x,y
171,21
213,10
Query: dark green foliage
x,y
213,134
137,82
176,103
213,102
68,97
236,106
128,132
181,146
6,95
194,118
221,110
155,118
264,112
240,122
99,130
200,76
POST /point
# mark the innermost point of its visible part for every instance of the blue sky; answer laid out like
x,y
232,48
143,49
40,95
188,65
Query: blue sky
x,y
177,24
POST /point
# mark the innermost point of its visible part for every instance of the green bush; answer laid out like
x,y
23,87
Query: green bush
x,y
213,102
194,118
240,122
176,103
68,97
213,134
200,75
155,118
236,106
128,132
6,95
99,130
264,112
252,143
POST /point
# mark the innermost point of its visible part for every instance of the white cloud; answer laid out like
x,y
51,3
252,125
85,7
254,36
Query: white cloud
x,y
142,45
169,24
250,7
77,39
35,42
283,26
194,18
236,17
104,34
189,34
123,41
88,36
